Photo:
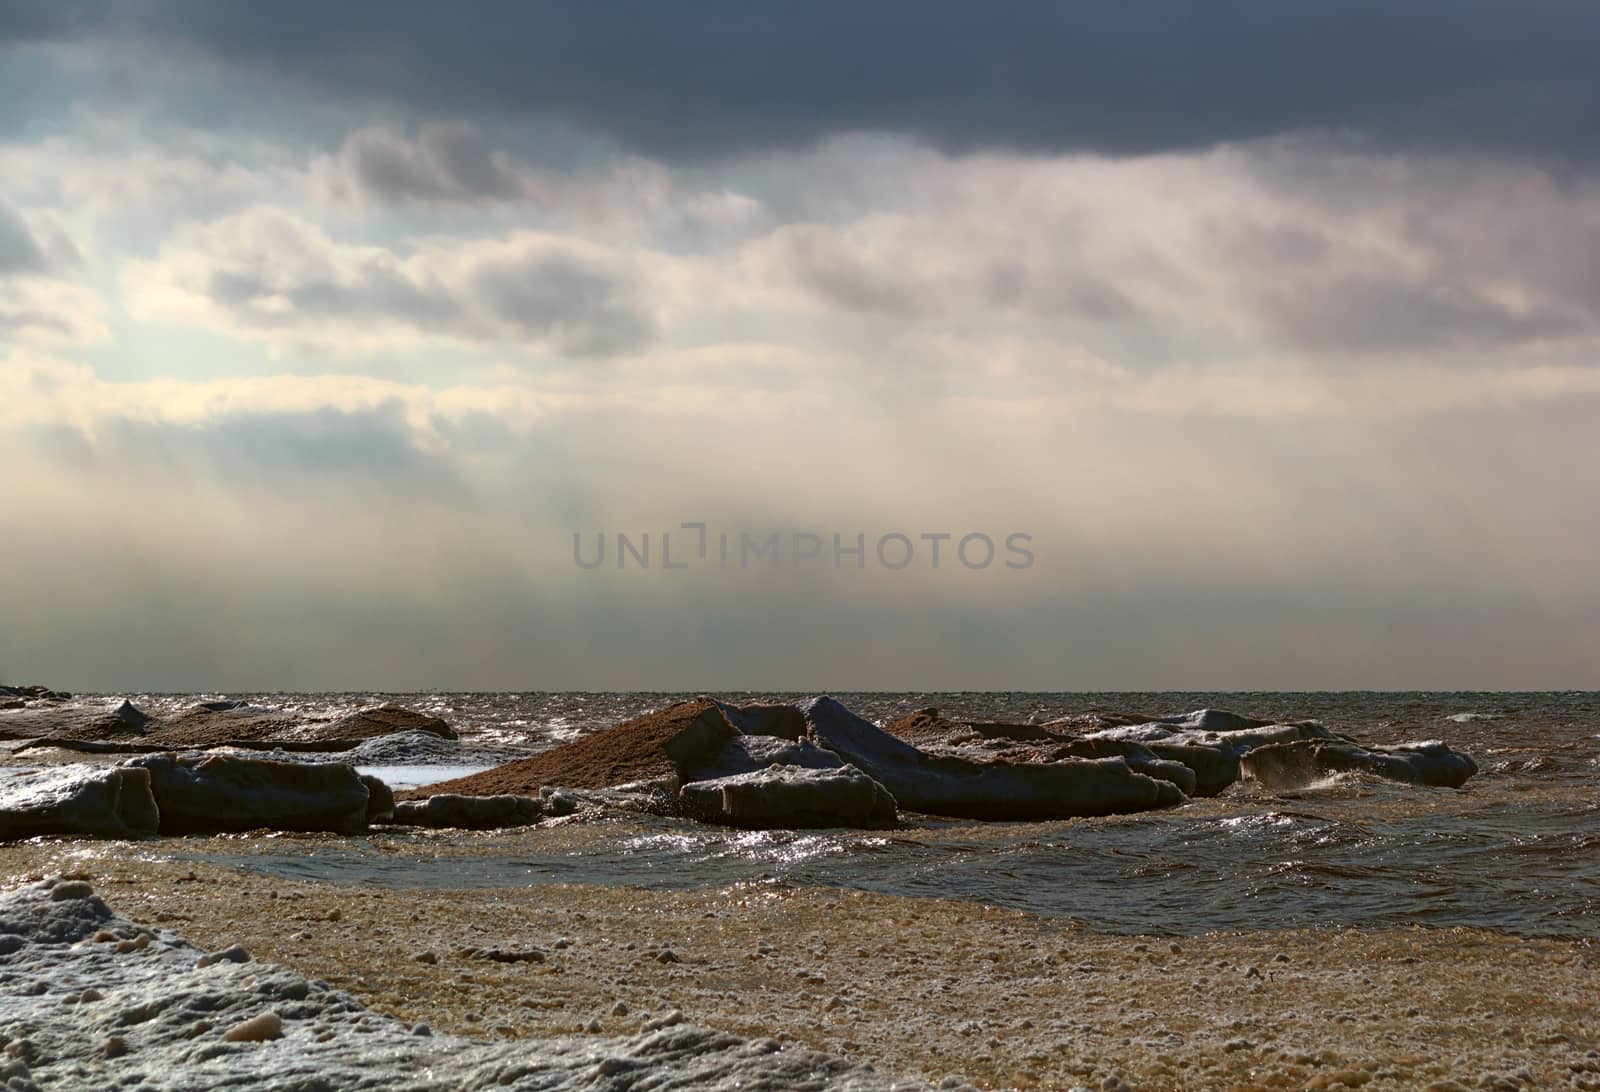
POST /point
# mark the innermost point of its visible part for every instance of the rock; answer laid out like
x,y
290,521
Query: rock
x,y
790,797
258,1029
203,794
71,889
1238,741
233,953
77,800
764,719
380,799
945,785
746,754
661,746
1213,755
930,732
1214,767
469,812
504,955
1140,759
1303,762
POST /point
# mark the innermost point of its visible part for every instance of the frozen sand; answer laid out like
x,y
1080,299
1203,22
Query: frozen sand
x,y
89,999
922,988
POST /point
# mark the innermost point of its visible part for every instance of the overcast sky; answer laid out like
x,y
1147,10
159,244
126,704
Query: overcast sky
x,y
324,328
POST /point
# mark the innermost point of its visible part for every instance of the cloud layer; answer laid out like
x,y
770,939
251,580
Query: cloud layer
x,y
1279,335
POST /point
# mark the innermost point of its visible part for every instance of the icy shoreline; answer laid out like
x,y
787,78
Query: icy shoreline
x,y
89,999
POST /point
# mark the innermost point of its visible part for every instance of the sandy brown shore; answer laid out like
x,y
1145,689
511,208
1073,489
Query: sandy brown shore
x,y
915,987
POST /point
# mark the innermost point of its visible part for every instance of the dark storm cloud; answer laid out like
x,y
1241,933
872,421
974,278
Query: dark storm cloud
x,y
728,76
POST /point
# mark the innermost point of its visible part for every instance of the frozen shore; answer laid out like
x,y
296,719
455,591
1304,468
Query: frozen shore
x,y
89,999
918,987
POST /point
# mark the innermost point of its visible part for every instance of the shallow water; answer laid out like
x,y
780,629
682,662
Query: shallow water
x,y
1519,850
1530,870
414,777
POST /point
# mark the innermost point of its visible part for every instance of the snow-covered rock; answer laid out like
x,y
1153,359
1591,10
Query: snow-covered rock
x,y
784,796
470,812
79,800
1212,720
1296,764
946,785
745,754
79,1010
202,794
764,719
1139,758
1212,754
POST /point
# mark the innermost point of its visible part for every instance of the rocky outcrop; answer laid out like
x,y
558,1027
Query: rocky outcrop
x,y
77,801
792,797
662,746
205,794
964,788
1296,764
92,1000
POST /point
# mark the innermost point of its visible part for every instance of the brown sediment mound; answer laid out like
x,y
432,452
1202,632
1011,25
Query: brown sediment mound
x,y
221,723
217,723
385,720
76,721
927,726
662,745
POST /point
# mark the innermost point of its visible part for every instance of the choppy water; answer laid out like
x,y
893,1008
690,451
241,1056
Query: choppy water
x,y
1518,850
